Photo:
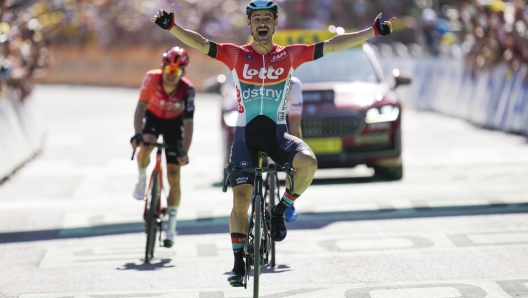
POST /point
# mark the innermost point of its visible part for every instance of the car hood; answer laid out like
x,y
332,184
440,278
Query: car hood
x,y
358,94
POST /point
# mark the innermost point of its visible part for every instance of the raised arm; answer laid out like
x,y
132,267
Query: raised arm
x,y
193,39
348,40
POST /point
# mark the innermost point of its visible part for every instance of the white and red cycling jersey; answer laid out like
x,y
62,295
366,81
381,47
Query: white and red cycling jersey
x,y
295,98
262,82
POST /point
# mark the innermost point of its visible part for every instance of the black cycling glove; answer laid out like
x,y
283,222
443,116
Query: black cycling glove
x,y
166,21
138,137
381,29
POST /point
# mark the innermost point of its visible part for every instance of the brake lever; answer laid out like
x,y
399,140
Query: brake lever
x,y
227,173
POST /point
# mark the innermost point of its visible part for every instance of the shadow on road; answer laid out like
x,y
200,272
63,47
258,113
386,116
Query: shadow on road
x,y
304,221
162,264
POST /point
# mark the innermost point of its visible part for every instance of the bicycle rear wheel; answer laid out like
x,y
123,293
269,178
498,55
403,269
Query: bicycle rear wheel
x,y
152,218
256,245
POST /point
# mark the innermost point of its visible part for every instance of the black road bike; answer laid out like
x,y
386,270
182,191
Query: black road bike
x,y
259,244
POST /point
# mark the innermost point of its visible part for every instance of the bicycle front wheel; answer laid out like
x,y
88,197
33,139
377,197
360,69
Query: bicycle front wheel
x,y
256,245
151,218
272,192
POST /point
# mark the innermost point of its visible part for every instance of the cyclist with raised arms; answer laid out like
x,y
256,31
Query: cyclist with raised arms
x,y
166,102
262,71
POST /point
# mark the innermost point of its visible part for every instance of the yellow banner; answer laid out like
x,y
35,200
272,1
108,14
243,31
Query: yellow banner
x,y
303,36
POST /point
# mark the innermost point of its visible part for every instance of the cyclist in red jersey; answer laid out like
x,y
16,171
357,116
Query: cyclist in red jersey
x,y
262,71
166,103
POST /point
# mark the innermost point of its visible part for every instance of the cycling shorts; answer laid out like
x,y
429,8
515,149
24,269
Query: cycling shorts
x,y
172,131
262,134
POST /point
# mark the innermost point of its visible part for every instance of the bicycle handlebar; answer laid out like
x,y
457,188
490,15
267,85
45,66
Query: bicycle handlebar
x,y
231,168
178,147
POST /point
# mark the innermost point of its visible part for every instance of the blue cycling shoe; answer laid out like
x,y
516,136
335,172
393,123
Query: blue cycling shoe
x,y
290,214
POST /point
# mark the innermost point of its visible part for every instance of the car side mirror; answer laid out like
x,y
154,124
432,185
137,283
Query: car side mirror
x,y
400,79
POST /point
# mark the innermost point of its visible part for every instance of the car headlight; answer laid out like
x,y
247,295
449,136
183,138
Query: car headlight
x,y
230,118
386,113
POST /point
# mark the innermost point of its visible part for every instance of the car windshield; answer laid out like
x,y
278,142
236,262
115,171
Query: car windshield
x,y
352,65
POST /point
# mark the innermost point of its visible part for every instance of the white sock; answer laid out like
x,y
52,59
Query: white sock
x,y
173,211
142,173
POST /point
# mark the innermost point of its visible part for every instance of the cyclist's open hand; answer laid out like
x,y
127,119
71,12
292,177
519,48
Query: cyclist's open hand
x,y
382,29
164,19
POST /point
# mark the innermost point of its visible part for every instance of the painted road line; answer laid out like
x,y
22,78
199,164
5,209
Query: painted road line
x,y
496,288
97,223
217,247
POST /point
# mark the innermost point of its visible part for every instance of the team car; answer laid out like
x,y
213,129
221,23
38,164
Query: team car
x,y
351,112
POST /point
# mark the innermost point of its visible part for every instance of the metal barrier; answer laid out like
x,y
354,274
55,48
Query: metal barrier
x,y
20,136
495,99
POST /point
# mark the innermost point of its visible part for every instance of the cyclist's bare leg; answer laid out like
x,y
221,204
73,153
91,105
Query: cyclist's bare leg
x,y
173,176
143,160
238,226
173,201
305,165
238,222
143,157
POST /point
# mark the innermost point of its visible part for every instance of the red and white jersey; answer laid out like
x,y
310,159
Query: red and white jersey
x,y
165,106
262,82
295,98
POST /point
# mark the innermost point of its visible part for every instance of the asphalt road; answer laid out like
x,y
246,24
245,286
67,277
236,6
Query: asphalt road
x,y
455,226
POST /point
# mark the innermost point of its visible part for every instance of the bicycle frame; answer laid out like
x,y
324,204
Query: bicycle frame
x,y
258,234
159,170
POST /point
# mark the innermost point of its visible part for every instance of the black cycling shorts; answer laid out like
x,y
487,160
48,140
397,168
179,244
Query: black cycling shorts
x,y
172,131
262,134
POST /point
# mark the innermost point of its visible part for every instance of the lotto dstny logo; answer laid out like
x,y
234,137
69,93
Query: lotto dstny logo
x,y
261,92
270,73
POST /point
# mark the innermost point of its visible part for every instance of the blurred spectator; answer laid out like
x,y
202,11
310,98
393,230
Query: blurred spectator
x,y
23,51
496,33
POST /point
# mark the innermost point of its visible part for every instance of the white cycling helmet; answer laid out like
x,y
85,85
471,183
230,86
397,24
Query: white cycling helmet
x,y
262,5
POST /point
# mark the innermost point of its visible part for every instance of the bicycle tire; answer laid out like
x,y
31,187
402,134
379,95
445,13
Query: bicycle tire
x,y
256,245
151,219
271,194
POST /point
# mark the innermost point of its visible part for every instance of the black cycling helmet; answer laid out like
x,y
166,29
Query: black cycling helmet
x,y
262,5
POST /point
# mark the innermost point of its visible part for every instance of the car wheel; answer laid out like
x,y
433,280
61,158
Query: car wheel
x,y
389,173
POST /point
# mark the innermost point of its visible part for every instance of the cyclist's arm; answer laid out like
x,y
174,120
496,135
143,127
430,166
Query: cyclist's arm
x,y
188,115
191,38
188,127
141,109
348,40
294,122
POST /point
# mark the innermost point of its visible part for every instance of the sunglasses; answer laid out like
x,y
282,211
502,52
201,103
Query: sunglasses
x,y
177,71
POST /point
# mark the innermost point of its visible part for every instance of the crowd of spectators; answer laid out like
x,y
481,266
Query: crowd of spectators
x,y
24,55
496,33
485,32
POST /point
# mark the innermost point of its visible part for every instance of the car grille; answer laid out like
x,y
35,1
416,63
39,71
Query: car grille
x,y
330,126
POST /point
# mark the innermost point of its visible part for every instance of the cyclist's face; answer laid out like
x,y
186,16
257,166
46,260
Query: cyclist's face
x,y
171,75
262,25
